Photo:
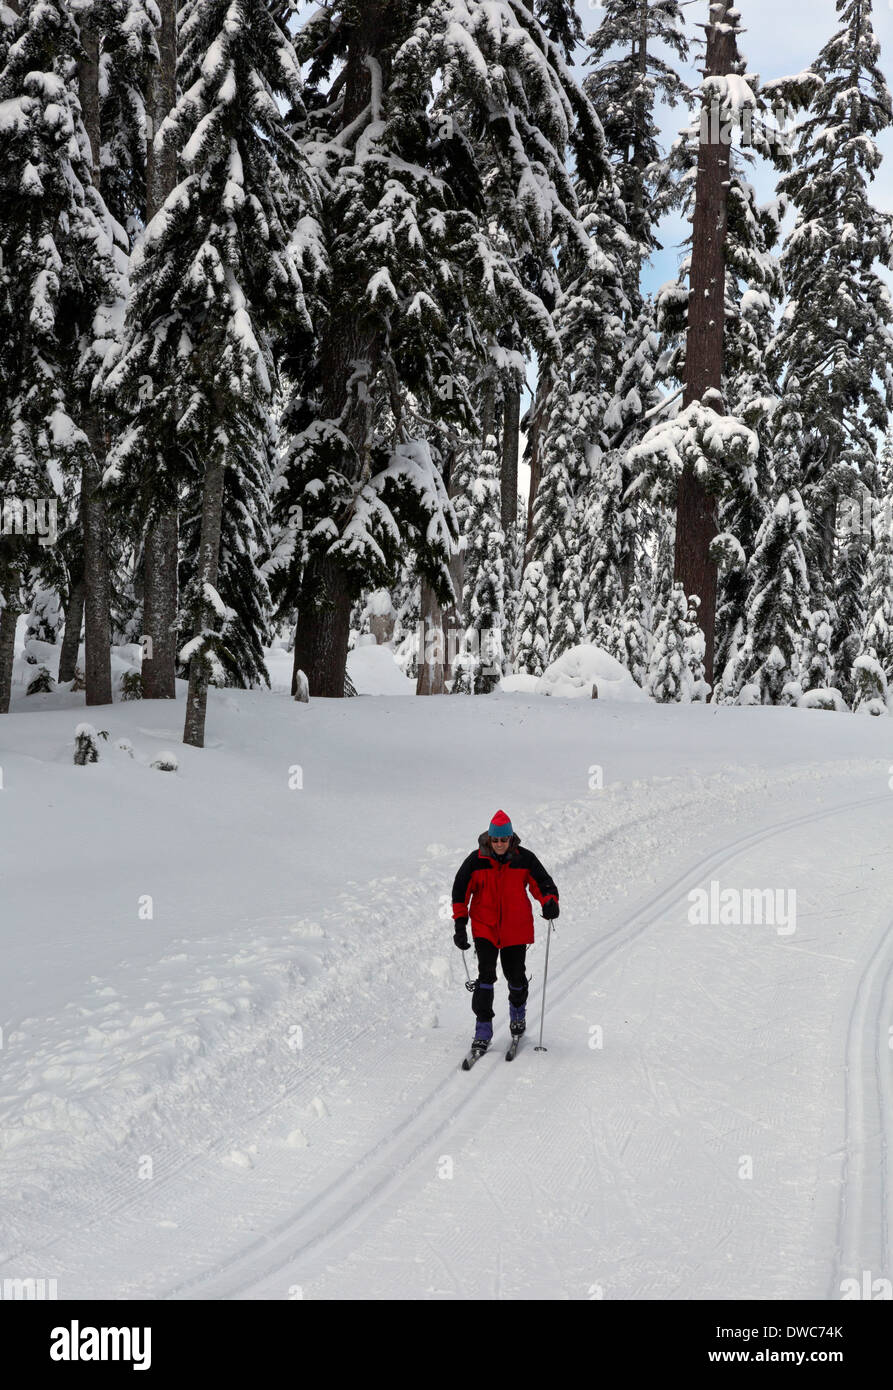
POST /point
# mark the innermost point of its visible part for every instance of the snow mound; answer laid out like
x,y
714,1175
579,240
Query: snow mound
x,y
522,684
824,697
573,675
374,671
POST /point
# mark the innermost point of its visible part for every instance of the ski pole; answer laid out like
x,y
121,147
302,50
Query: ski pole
x,y
539,1047
469,982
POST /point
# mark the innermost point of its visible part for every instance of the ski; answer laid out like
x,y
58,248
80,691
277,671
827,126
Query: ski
x,y
469,1061
513,1047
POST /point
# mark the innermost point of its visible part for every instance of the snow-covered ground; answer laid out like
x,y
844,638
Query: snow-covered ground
x,y
233,1015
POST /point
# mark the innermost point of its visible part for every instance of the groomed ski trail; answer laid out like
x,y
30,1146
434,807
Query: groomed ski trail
x,y
328,1226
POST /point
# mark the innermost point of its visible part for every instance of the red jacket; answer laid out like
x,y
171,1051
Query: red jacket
x,y
492,891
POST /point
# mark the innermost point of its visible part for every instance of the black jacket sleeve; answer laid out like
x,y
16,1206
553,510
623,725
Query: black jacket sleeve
x,y
544,882
461,882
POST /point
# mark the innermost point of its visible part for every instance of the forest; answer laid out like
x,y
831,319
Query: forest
x,y
288,292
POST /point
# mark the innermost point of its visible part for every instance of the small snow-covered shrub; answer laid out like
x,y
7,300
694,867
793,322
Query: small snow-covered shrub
x,y
86,745
871,685
824,697
78,683
125,746
42,683
131,686
302,688
165,762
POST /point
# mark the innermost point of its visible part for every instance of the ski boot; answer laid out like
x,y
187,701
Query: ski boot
x,y
517,1019
483,1036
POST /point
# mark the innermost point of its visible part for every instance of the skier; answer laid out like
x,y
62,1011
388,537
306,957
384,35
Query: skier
x,y
491,887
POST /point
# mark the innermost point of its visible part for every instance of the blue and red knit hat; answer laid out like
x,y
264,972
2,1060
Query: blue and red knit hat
x,y
500,827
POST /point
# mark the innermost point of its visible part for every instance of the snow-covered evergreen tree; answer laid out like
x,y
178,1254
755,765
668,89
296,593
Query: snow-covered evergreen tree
x,y
571,504
849,605
632,73
607,524
835,335
532,631
553,537
669,671
753,293
777,606
873,666
216,284
128,50
44,619
569,627
634,644
694,650
816,663
480,664
61,267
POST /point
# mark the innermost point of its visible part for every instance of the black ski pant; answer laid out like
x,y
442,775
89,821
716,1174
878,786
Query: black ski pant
x,y
512,961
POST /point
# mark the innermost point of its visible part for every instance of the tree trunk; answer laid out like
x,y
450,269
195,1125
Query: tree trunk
x,y
538,414
208,565
71,637
828,524
323,630
97,585
97,601
432,657
511,431
9,616
160,576
696,515
160,607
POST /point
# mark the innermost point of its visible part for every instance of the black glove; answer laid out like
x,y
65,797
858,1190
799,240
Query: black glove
x,y
550,908
460,936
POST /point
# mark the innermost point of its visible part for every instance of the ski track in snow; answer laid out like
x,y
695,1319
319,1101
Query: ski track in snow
x,y
353,1197
865,1233
264,1112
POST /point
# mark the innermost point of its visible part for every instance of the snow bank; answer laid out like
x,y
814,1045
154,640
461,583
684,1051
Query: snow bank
x,y
374,671
520,685
573,675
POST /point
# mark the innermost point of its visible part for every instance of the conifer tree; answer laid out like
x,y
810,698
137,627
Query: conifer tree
x,y
216,286
532,631
778,603
60,281
669,672
816,663
630,77
873,666
633,647
552,539
484,601
835,335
